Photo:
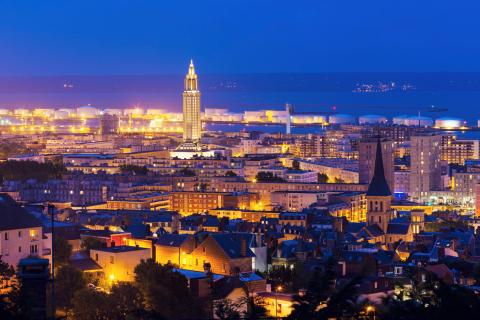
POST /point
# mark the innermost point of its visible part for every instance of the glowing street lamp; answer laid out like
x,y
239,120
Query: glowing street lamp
x,y
277,290
370,309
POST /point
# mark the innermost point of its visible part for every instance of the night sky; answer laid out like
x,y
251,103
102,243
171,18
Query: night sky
x,y
237,36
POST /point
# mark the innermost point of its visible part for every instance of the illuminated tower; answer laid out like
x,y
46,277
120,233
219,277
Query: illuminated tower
x,y
192,126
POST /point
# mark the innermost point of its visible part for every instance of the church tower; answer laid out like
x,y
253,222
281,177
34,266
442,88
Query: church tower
x,y
379,196
192,126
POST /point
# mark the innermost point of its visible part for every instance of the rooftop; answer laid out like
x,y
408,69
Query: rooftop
x,y
119,249
13,216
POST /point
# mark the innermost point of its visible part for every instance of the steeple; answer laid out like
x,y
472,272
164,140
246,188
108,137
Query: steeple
x,y
379,186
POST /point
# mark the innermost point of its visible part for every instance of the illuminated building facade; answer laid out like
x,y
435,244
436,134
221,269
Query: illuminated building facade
x,y
118,263
457,151
357,205
109,124
425,171
227,254
190,202
192,126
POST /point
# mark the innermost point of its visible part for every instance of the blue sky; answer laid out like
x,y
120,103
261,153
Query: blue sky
x,y
237,36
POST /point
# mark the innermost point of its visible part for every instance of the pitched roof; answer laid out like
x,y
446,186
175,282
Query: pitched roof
x,y
379,186
355,227
397,228
224,286
172,240
289,248
354,256
373,230
441,271
231,245
190,274
13,216
85,265
159,218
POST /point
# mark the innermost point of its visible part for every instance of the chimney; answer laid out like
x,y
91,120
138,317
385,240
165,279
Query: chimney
x,y
195,242
302,292
243,247
207,268
258,239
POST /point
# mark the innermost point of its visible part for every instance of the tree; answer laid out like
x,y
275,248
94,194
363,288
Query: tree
x,y
432,299
7,272
187,172
90,243
339,180
11,149
125,299
291,279
342,303
295,164
62,250
255,308
320,287
267,176
8,292
225,309
446,226
24,170
322,178
68,280
90,304
281,274
166,292
230,173
476,273
133,169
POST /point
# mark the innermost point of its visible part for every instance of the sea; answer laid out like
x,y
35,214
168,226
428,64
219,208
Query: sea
x,y
441,94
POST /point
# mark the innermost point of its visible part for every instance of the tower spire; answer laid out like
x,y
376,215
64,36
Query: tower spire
x,y
379,186
191,82
191,68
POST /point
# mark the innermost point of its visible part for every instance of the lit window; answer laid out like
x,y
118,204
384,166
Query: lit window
x,y
33,234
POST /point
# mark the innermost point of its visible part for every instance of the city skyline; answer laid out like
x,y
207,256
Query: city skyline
x,y
319,160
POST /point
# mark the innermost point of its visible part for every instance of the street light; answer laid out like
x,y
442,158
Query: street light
x,y
277,290
370,309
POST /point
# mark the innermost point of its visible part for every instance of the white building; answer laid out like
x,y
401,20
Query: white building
x,y
118,263
21,234
87,112
301,176
295,201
